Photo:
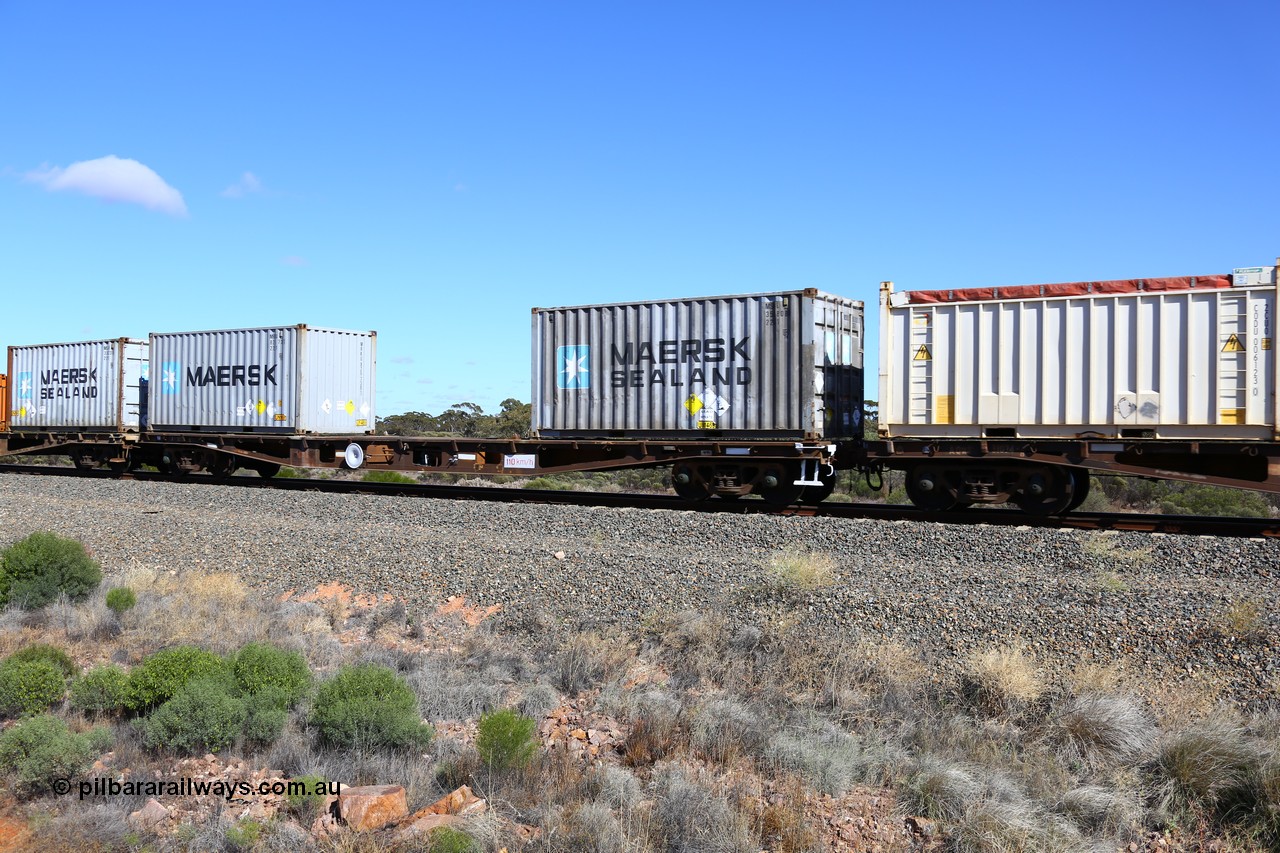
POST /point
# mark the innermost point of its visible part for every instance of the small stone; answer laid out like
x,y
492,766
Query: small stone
x,y
559,555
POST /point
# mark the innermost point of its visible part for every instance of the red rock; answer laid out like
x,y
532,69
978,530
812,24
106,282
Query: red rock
x,y
150,815
372,806
424,824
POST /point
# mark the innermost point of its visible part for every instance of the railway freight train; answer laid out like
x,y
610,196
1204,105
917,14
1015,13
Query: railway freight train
x,y
987,395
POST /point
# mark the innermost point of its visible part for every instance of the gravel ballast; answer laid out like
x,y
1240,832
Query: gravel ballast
x,y
1161,605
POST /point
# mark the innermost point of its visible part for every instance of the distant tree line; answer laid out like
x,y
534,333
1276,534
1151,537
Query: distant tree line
x,y
464,419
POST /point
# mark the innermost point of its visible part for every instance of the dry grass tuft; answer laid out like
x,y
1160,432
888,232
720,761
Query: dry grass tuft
x,y
1098,731
214,611
800,570
1242,619
1202,766
1001,680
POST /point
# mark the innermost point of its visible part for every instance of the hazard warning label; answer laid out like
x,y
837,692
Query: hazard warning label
x,y
1233,344
922,354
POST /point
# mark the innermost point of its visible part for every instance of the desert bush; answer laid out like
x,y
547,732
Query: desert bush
x,y
102,689
829,758
48,654
1243,619
1096,809
121,598
447,839
163,674
938,790
1099,731
1000,681
259,666
368,706
587,660
266,713
448,690
506,739
244,834
30,687
35,570
800,570
725,727
537,699
202,716
1196,499
1203,766
308,798
690,816
39,751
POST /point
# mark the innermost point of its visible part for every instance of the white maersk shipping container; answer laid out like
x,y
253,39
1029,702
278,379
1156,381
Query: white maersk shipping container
x,y
290,379
1177,358
86,386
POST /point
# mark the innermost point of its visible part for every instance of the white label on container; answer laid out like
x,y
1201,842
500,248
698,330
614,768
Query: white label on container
x,y
519,460
467,457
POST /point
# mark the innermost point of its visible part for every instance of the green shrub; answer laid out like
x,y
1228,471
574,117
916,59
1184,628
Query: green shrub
x,y
446,839
367,705
258,666
266,714
120,599
387,477
506,739
30,687
244,835
307,801
162,674
39,751
102,689
1196,499
48,654
35,570
202,716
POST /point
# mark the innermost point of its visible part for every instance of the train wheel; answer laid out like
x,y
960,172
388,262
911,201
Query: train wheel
x,y
1046,491
267,470
688,486
1080,482
778,487
818,494
926,487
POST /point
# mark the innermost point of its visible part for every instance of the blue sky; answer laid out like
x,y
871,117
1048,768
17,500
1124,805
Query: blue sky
x,y
433,170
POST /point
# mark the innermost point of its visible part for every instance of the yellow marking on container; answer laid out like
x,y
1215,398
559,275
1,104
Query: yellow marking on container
x,y
1266,343
920,319
282,417
693,404
706,424
1233,344
944,407
922,354
362,422
1231,416
22,413
350,407
262,407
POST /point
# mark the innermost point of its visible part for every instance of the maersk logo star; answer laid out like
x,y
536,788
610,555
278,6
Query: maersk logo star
x,y
575,370
170,377
24,385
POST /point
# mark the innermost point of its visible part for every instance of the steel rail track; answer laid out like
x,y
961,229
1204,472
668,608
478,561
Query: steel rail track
x,y
1137,522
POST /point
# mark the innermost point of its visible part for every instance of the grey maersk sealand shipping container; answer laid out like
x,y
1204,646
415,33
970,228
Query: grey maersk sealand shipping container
x,y
767,365
280,379
89,386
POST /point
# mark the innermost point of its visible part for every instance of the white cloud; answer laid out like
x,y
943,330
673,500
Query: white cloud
x,y
111,178
247,185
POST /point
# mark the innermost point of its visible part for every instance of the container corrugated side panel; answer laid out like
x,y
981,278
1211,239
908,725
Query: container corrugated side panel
x,y
84,385
734,365
338,380
1172,364
231,380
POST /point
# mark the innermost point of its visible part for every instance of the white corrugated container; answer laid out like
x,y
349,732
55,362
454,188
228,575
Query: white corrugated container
x,y
90,386
294,379
769,365
1189,358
